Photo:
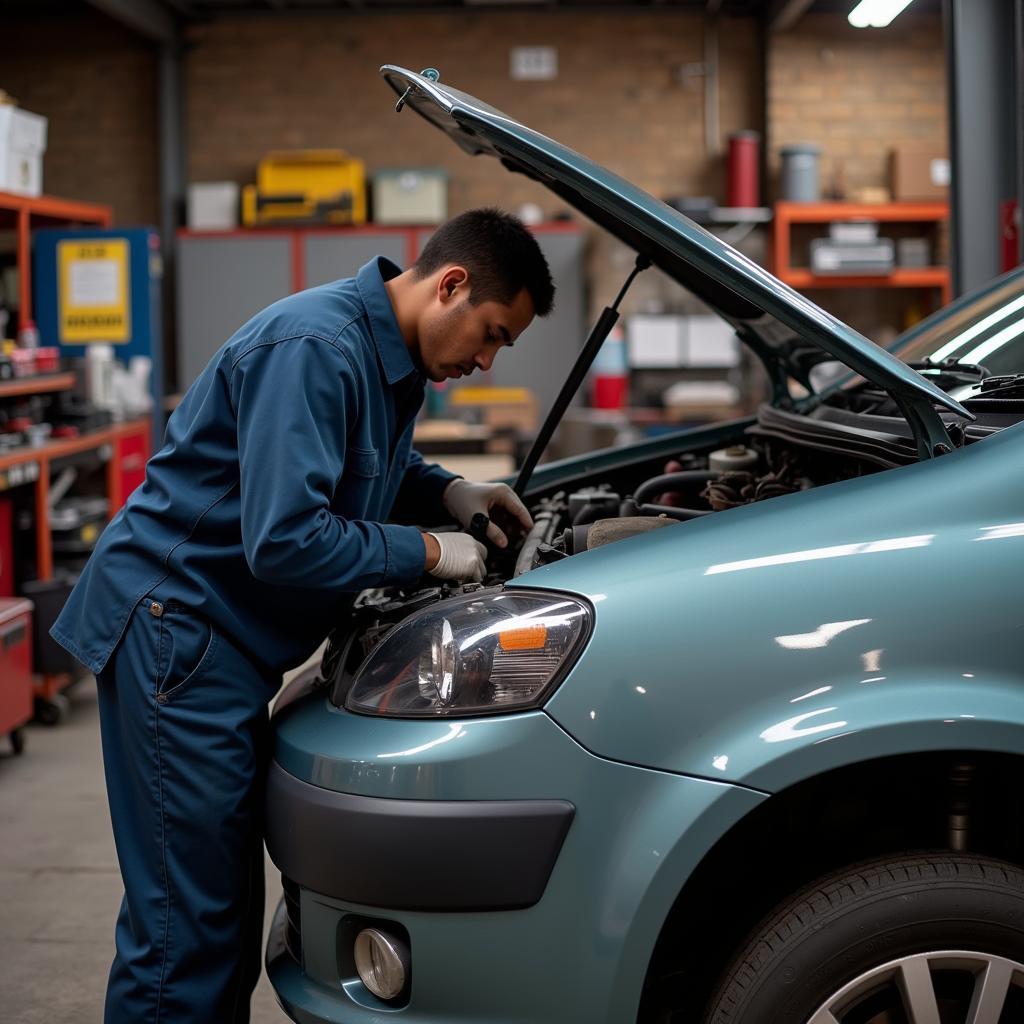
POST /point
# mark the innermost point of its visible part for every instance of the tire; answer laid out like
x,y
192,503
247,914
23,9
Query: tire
x,y
846,948
17,738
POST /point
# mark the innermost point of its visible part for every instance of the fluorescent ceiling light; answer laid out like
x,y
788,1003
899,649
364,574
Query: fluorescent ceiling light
x,y
876,13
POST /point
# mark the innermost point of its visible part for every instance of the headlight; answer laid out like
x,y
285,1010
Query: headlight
x,y
484,652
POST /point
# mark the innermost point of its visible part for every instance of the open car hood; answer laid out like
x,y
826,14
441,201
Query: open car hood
x,y
789,332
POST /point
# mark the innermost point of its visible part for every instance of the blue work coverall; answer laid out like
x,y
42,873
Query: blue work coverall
x,y
258,519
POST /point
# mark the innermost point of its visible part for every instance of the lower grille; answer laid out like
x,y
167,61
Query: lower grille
x,y
293,933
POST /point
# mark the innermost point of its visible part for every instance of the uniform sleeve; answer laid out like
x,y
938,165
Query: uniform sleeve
x,y
293,401
420,493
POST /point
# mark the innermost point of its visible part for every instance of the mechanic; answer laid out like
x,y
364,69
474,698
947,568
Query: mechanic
x,y
259,519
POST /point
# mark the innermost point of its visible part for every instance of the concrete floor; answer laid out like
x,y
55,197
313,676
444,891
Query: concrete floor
x,y
59,884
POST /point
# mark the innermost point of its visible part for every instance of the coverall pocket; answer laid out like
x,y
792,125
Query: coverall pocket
x,y
364,462
354,493
187,645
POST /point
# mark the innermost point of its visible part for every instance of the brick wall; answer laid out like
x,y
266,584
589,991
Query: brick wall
x,y
96,82
258,83
857,92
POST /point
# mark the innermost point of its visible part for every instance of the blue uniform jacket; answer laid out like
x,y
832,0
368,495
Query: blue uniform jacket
x,y
265,509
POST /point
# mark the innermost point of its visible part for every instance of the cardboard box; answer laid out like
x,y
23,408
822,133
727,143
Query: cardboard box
x,y
22,145
916,173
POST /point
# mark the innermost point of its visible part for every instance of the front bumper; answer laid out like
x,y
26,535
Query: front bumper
x,y
484,854
577,948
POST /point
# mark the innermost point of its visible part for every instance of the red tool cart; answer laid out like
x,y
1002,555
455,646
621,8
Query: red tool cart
x,y
15,668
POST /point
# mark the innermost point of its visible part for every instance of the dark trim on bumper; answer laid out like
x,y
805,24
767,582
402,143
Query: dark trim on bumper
x,y
442,855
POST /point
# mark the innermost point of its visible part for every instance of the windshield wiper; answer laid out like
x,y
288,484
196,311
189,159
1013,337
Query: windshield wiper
x,y
1007,386
950,372
605,322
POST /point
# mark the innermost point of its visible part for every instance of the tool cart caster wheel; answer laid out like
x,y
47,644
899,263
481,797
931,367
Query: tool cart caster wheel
x,y
52,710
17,740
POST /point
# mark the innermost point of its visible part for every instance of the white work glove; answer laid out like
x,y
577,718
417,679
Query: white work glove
x,y
464,499
462,557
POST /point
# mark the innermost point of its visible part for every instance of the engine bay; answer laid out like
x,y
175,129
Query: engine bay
x,y
857,431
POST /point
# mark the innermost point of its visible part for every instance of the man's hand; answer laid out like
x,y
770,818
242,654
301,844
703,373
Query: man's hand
x,y
454,556
464,500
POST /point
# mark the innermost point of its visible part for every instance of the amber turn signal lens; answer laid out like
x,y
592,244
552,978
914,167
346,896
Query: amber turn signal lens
x,y
523,638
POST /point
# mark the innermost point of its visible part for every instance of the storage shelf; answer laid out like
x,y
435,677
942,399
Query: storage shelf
x,y
42,384
52,210
56,208
900,277
822,213
788,214
45,454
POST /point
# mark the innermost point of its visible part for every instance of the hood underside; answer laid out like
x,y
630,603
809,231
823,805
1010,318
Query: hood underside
x,y
788,331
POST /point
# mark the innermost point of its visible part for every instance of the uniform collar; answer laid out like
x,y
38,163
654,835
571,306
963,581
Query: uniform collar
x,y
391,348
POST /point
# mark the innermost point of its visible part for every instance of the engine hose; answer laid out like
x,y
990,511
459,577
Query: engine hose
x,y
672,482
682,514
589,512
541,532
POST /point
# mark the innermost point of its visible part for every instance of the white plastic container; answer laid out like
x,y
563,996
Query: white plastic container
x,y
22,145
212,206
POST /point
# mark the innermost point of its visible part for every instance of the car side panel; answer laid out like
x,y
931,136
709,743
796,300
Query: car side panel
x,y
768,643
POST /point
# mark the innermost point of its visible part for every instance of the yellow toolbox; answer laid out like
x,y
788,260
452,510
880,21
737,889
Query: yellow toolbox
x,y
325,186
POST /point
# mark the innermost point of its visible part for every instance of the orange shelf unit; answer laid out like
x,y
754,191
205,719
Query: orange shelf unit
x,y
787,214
129,450
25,212
43,384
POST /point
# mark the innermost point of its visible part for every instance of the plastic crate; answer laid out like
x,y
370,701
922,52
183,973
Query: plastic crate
x,y
411,195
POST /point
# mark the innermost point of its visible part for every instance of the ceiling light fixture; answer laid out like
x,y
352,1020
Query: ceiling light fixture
x,y
876,13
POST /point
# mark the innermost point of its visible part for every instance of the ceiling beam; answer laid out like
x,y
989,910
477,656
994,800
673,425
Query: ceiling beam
x,y
784,14
147,17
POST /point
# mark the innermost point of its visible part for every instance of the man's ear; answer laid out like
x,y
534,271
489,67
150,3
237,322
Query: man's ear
x,y
453,280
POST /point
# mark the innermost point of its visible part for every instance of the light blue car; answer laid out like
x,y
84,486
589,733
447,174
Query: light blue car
x,y
740,743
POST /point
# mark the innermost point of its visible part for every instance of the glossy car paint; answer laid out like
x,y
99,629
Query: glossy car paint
x,y
775,641
584,948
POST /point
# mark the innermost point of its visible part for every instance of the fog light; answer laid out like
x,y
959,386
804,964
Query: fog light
x,y
382,962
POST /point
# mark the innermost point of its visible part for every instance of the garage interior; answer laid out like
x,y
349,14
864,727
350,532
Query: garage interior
x,y
227,153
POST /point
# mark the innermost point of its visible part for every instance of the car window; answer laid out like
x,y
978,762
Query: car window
x,y
989,331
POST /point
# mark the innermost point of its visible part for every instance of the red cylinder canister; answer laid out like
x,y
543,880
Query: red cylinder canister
x,y
743,165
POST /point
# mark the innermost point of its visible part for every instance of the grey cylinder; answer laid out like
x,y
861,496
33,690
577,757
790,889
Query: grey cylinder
x,y
801,173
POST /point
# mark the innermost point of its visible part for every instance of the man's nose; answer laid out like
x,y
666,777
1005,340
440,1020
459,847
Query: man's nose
x,y
484,360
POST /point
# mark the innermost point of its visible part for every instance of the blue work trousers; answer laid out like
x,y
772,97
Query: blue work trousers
x,y
183,717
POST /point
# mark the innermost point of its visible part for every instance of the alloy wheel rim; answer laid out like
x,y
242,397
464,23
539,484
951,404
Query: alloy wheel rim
x,y
909,985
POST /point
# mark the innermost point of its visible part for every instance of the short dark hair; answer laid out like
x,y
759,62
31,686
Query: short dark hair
x,y
501,255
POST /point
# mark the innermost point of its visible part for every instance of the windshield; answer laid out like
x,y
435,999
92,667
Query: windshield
x,y
987,329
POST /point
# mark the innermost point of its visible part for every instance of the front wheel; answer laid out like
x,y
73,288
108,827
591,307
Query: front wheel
x,y
929,939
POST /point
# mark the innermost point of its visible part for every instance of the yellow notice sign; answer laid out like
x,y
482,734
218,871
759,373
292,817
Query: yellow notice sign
x,y
94,290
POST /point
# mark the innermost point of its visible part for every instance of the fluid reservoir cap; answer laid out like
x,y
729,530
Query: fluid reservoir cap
x,y
729,460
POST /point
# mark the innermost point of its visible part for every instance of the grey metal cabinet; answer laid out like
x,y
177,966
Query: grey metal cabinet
x,y
331,256
223,280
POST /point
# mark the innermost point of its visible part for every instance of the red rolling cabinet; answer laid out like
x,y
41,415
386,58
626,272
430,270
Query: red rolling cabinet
x,y
132,454
15,668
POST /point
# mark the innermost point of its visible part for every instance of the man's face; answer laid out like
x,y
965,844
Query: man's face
x,y
456,337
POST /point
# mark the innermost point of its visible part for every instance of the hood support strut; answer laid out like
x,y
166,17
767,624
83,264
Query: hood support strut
x,y
605,322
